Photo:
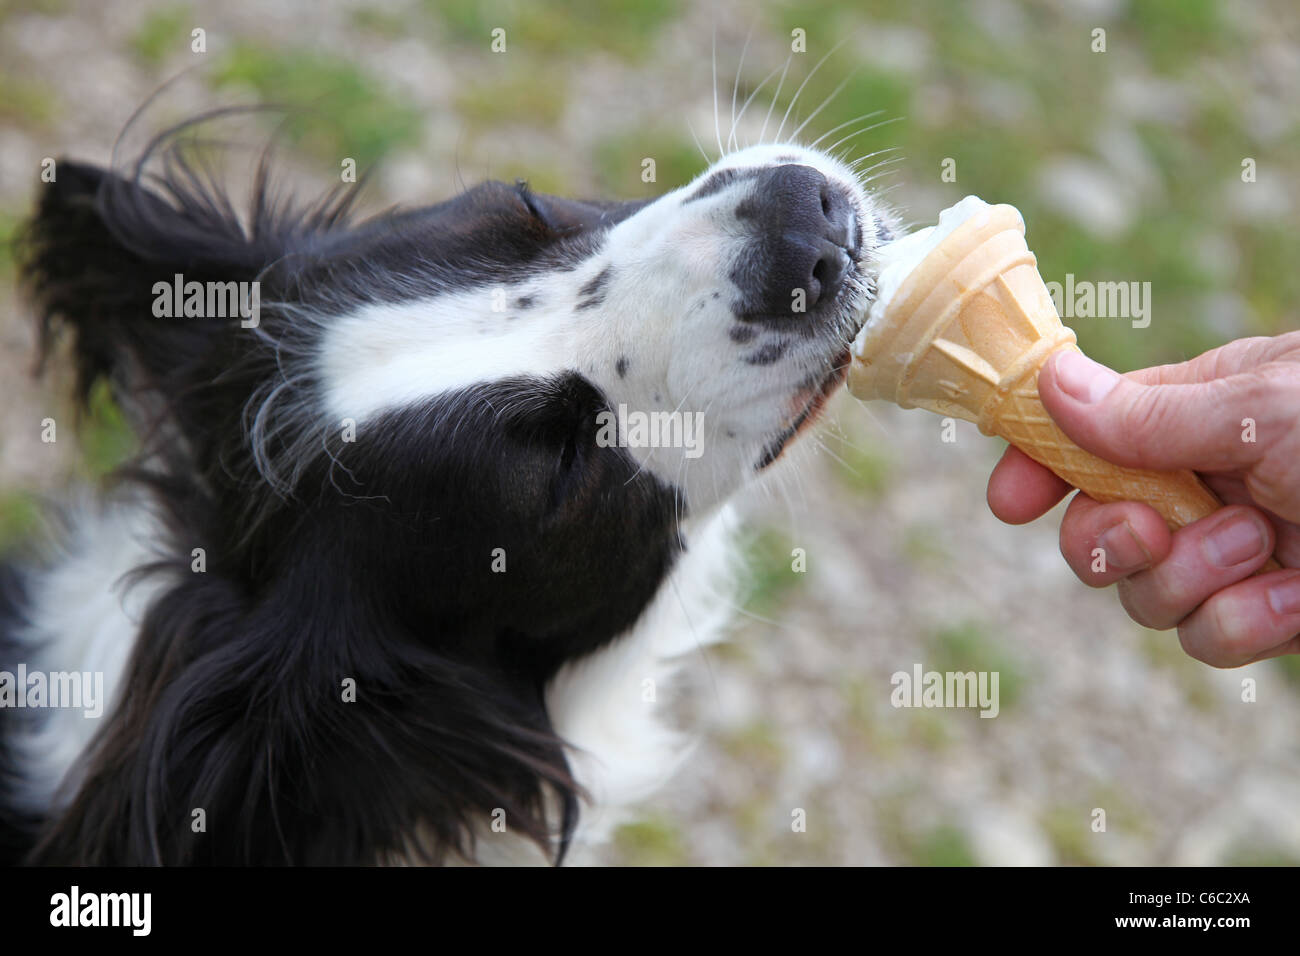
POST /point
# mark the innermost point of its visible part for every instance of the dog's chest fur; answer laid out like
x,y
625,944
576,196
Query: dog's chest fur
x,y
612,706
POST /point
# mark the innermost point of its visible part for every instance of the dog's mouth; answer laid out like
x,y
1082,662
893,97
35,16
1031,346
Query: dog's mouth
x,y
809,400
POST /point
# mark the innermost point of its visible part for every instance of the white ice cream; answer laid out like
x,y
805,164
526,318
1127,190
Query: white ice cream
x,y
898,258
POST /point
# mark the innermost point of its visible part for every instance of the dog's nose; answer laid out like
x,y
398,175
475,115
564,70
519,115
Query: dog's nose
x,y
802,247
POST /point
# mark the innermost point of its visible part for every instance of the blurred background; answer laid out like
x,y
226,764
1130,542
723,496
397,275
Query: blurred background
x,y
1165,149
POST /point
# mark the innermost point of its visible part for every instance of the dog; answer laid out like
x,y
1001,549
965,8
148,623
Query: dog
x,y
400,556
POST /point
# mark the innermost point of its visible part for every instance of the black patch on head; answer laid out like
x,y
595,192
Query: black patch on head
x,y
621,367
524,302
716,182
595,289
769,354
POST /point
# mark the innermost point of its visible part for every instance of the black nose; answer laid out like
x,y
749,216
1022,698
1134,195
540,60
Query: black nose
x,y
802,243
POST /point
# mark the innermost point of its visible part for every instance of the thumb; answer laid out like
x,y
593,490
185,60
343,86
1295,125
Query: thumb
x,y
1159,427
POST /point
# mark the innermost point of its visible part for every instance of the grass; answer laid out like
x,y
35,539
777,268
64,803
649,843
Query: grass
x,y
1069,830
969,647
105,439
506,92
619,163
163,32
24,102
770,573
944,845
624,29
652,841
758,746
862,468
339,110
20,516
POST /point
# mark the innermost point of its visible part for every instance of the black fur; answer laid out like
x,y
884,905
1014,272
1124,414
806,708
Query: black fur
x,y
369,561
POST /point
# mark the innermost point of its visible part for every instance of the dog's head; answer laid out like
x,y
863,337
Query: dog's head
x,y
712,322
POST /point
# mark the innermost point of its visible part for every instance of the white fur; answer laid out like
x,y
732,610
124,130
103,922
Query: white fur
x,y
84,618
612,705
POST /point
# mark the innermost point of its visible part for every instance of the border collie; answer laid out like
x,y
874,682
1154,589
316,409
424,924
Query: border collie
x,y
382,585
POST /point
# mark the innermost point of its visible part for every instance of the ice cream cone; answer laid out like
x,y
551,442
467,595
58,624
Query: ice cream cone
x,y
965,334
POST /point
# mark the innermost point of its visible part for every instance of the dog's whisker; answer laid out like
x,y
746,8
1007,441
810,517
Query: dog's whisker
x,y
776,96
836,129
801,86
824,103
735,87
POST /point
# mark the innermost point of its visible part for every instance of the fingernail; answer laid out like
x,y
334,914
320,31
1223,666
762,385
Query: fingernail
x,y
1284,598
1083,379
1124,549
1235,540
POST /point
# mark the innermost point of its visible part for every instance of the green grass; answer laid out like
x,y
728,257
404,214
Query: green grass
x,y
20,516
770,575
969,647
1289,668
164,32
625,29
105,439
386,24
1255,854
863,468
506,92
944,845
1069,830
619,159
47,8
9,224
652,841
338,109
758,746
24,102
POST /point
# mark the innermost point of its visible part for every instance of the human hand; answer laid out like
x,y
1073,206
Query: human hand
x,y
1232,415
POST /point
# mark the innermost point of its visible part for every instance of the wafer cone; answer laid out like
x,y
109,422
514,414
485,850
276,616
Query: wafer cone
x,y
965,336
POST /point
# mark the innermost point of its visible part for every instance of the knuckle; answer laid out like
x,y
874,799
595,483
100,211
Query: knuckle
x,y
1138,598
1221,632
1145,421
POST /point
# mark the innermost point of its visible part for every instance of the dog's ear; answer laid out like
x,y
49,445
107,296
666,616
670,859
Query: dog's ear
x,y
569,216
156,276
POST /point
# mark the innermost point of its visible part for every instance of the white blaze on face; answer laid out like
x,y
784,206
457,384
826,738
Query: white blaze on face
x,y
659,342
897,259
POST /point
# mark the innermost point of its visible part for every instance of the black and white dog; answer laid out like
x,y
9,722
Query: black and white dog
x,y
383,586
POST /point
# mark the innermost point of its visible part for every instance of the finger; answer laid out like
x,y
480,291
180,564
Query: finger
x,y
1257,618
1206,556
1162,427
1286,647
1104,543
1233,491
1020,489
1237,356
